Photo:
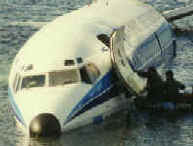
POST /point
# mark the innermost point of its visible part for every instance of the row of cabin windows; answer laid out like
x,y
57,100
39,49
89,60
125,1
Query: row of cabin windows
x,y
88,74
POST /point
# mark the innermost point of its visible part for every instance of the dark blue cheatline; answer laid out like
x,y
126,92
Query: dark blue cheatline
x,y
104,90
15,108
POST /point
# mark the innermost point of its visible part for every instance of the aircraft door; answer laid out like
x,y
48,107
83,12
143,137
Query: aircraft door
x,y
123,68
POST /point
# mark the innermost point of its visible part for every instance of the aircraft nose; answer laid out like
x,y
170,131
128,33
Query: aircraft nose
x,y
45,125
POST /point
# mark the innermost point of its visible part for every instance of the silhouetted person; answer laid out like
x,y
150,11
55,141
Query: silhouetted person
x,y
172,87
154,84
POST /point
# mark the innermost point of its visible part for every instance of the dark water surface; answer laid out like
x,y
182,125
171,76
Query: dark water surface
x,y
144,129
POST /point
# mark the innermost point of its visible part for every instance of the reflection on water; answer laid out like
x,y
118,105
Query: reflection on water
x,y
142,129
107,133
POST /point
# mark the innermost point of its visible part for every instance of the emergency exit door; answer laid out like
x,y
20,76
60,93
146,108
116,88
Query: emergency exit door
x,y
123,68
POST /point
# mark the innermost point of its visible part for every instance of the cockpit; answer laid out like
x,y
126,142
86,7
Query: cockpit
x,y
87,74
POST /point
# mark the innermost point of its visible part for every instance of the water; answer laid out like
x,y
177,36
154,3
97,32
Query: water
x,y
144,129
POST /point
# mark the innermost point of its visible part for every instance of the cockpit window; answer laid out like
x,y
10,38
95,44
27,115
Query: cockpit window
x,y
33,81
59,78
89,73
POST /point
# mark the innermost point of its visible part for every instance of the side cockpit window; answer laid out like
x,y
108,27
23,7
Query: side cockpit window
x,y
16,82
33,81
104,39
89,73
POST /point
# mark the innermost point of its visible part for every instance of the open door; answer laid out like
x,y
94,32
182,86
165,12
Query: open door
x,y
121,63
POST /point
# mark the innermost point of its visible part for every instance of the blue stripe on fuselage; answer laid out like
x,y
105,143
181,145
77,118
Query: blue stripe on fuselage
x,y
95,96
105,96
15,108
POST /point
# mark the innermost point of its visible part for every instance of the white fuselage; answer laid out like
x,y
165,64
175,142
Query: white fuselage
x,y
66,48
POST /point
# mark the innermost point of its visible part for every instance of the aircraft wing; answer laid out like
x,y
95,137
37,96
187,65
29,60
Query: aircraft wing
x,y
178,13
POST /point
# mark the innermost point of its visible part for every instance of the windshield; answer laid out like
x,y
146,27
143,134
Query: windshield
x,y
33,81
59,78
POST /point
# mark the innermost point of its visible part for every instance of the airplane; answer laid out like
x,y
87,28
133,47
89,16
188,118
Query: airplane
x,y
75,69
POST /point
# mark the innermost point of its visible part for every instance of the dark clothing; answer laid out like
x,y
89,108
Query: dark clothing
x,y
171,89
154,86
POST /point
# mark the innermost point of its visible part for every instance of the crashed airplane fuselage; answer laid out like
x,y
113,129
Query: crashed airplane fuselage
x,y
63,77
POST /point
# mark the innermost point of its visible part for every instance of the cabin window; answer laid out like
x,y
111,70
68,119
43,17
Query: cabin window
x,y
33,81
69,63
60,78
89,73
79,60
16,83
104,39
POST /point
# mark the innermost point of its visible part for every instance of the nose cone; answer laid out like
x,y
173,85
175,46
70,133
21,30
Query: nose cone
x,y
44,125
